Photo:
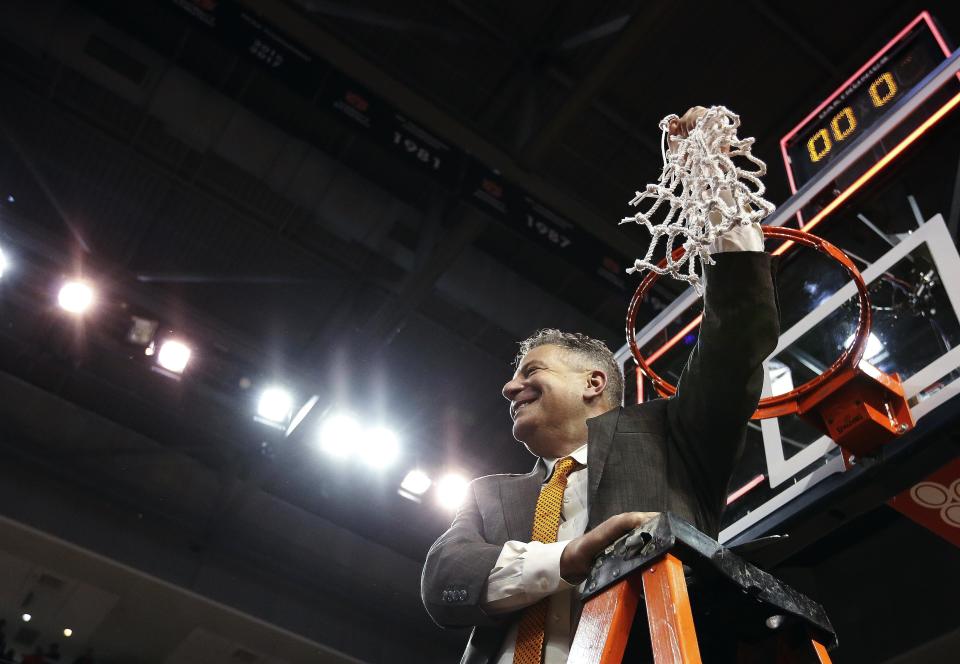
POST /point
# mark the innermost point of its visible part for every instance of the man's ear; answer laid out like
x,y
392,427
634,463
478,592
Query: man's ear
x,y
595,384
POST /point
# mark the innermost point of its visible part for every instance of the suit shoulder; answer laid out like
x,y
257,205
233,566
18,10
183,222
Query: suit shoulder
x,y
649,416
646,408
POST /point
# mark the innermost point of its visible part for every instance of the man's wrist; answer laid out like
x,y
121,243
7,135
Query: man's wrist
x,y
571,568
541,569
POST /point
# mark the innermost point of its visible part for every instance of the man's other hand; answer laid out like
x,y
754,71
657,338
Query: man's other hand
x,y
578,555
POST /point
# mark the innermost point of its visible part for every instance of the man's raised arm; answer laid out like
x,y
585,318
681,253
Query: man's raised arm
x,y
721,383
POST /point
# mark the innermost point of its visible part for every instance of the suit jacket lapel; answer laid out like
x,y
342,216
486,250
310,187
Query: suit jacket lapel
x,y
518,496
520,492
600,439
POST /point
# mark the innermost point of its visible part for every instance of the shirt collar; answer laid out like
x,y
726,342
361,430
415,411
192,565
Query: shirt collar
x,y
579,455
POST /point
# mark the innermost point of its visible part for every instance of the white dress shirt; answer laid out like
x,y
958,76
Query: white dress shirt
x,y
526,572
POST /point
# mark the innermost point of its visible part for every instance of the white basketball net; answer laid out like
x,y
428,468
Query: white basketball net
x,y
706,193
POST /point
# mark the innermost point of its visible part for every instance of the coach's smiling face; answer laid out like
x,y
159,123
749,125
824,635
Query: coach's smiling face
x,y
551,396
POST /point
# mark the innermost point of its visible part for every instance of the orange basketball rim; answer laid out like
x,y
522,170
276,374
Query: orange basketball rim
x,y
790,402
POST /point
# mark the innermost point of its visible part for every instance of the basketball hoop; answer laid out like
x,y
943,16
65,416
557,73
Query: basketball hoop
x,y
706,195
853,402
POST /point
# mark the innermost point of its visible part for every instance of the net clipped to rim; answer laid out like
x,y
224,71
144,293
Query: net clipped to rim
x,y
702,192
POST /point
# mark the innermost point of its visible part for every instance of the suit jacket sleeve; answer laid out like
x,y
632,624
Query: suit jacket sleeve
x,y
457,568
721,383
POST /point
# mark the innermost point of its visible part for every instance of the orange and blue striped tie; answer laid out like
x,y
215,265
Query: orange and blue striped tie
x,y
546,523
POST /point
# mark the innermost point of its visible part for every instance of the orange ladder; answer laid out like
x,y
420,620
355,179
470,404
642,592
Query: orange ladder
x,y
766,620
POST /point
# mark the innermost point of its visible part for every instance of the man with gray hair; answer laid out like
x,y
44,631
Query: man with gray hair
x,y
582,350
520,544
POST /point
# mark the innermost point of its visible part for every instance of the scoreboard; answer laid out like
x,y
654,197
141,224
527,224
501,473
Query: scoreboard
x,y
862,100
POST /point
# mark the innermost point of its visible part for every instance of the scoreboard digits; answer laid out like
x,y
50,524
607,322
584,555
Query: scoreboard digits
x,y
863,99
844,123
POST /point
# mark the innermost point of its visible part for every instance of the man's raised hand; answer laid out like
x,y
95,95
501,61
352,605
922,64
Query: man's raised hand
x,y
683,125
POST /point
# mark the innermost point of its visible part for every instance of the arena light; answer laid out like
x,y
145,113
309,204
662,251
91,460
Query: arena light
x,y
415,484
379,447
451,490
339,434
275,406
3,263
67,632
75,297
174,356
26,617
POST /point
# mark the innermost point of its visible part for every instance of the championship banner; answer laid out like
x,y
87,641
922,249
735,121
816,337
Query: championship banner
x,y
367,113
488,190
288,60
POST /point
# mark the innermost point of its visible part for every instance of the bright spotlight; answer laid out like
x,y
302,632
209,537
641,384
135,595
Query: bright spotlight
x,y
67,632
3,263
416,482
451,490
26,617
275,405
379,447
75,297
174,355
339,435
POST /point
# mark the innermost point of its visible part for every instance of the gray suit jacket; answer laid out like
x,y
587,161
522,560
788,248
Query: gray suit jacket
x,y
673,454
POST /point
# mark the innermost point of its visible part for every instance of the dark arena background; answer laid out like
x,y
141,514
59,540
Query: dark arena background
x,y
265,265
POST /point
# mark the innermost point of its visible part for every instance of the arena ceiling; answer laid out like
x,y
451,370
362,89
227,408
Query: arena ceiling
x,y
199,184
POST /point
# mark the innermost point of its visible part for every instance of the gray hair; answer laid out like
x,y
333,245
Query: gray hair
x,y
594,353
